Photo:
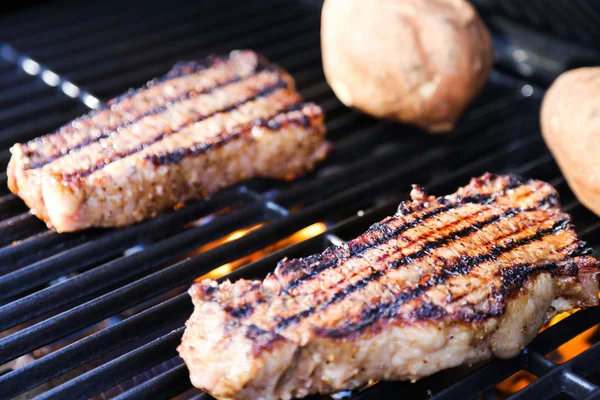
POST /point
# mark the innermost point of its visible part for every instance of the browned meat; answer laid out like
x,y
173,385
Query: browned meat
x,y
445,282
204,126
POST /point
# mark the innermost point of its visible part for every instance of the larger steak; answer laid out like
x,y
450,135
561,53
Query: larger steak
x,y
445,282
204,126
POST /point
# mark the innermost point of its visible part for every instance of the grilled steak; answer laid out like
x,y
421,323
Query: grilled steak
x,y
204,126
445,282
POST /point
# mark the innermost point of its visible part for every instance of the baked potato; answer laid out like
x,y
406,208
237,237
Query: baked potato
x,y
419,62
570,122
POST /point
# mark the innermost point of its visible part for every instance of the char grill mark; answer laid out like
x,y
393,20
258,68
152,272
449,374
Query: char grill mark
x,y
153,111
517,276
332,258
181,69
507,280
550,201
117,155
512,280
240,312
403,260
573,250
358,247
417,255
282,118
429,311
226,72
462,267
364,255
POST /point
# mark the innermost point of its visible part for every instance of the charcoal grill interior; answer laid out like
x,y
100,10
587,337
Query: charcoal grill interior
x,y
98,314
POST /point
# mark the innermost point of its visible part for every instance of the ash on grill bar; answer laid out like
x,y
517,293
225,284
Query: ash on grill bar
x,y
291,296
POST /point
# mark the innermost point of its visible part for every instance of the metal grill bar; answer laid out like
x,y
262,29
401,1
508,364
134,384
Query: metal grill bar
x,y
55,296
30,128
111,243
37,24
25,93
100,24
105,32
110,86
167,384
258,15
538,364
96,345
122,368
286,22
41,245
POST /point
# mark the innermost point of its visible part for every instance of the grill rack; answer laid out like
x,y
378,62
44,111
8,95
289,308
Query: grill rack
x,y
573,20
98,276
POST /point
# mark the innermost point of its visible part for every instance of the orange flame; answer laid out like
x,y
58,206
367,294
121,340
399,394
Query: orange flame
x,y
515,382
303,234
573,347
562,354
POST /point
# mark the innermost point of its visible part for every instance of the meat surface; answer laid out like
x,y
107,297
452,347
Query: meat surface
x,y
204,126
444,282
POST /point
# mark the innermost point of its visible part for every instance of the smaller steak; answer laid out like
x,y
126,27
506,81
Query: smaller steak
x,y
203,127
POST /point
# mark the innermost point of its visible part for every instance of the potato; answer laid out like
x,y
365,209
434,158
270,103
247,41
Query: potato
x,y
419,62
570,122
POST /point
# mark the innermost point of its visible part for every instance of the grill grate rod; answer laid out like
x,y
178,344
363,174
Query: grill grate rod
x,y
168,384
122,368
37,26
49,77
113,28
261,30
48,299
95,345
260,14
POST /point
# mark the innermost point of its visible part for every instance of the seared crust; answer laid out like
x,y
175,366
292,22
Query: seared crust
x,y
444,282
202,127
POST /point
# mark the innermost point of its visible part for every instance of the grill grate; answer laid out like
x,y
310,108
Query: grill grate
x,y
574,20
100,313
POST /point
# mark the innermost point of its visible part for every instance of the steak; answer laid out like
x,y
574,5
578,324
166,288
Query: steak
x,y
204,126
444,282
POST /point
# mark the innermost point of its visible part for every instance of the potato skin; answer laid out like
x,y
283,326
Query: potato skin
x,y
570,122
419,62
